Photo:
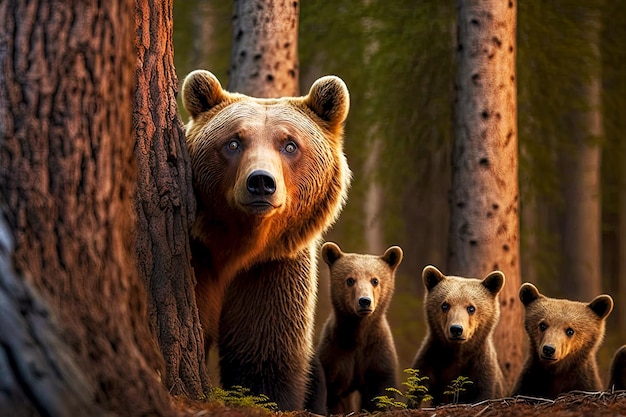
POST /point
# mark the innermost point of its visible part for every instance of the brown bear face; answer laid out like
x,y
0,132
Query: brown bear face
x,y
269,170
361,285
563,330
461,310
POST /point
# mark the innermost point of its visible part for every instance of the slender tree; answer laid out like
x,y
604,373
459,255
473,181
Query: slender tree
x,y
264,58
484,225
581,271
164,203
67,183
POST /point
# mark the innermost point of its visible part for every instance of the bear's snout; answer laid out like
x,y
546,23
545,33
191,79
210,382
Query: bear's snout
x,y
365,303
547,352
456,331
261,183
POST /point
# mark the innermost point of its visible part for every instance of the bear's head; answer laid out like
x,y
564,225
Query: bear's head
x,y
461,310
361,285
269,172
563,332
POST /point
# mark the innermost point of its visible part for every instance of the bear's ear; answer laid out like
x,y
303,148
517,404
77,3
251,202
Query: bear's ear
x,y
431,277
331,252
494,282
602,305
393,257
201,92
329,99
528,293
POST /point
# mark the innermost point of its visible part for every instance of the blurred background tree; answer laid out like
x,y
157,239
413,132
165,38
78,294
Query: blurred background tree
x,y
398,60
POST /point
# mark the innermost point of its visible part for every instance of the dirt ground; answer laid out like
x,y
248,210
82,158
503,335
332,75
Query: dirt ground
x,y
572,404
569,405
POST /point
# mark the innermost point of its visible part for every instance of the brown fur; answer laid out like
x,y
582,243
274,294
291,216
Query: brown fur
x,y
253,248
444,355
356,348
617,376
564,339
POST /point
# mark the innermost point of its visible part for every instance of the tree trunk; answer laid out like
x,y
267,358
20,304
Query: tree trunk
x,y
35,362
165,204
581,270
67,181
484,225
372,207
264,59
621,242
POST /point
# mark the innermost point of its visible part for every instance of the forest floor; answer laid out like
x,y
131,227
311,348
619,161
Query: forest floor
x,y
572,404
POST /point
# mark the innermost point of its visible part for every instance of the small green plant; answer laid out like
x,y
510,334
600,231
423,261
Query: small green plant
x,y
457,387
239,396
386,402
415,393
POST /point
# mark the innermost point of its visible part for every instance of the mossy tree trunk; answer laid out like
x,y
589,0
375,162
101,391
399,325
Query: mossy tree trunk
x,y
67,184
264,58
484,224
165,204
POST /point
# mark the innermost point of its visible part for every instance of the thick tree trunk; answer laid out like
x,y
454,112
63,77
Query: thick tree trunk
x,y
264,59
165,204
581,270
484,225
39,373
68,179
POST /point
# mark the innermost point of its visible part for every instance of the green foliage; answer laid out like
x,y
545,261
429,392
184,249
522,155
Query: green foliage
x,y
385,402
457,387
401,102
240,397
416,392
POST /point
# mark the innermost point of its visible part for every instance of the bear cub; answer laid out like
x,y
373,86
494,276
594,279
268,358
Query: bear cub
x,y
356,347
461,314
564,339
617,376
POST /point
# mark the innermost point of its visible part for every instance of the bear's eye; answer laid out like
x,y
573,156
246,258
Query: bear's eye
x,y
543,327
471,309
350,282
291,147
233,145
569,332
374,281
445,307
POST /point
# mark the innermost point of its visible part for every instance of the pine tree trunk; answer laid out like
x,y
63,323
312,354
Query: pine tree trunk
x,y
67,182
581,220
165,204
621,242
264,59
484,225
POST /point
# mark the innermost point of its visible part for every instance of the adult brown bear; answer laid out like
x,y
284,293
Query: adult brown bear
x,y
270,177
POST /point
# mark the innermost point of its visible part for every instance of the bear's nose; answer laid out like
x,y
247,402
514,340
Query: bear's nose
x,y
261,182
456,330
365,302
548,351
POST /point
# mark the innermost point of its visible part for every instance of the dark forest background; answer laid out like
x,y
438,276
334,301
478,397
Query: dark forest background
x,y
397,58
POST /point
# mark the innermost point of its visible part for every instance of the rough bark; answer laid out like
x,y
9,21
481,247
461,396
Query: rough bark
x,y
165,204
68,179
264,58
484,225
581,270
39,374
